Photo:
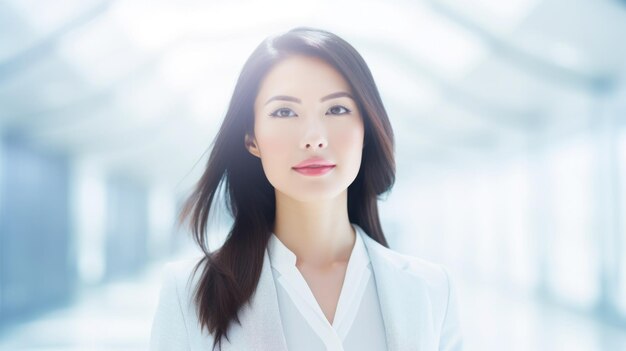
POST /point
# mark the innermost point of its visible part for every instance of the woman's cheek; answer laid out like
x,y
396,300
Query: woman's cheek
x,y
275,155
350,137
350,148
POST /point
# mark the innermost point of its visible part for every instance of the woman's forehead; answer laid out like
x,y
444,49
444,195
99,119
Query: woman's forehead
x,y
301,75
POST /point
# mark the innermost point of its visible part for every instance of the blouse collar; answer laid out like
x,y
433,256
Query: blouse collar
x,y
284,260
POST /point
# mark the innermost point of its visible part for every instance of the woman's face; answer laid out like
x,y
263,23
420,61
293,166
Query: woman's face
x,y
304,110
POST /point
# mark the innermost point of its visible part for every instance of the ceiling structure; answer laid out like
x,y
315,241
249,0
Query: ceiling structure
x,y
140,87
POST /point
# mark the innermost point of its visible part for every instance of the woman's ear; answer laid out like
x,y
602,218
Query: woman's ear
x,y
251,145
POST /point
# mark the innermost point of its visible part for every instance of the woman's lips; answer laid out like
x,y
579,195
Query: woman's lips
x,y
314,162
314,170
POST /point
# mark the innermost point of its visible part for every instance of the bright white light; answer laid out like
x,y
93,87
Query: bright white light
x,y
208,106
399,85
198,64
154,25
198,40
435,41
149,24
186,65
100,51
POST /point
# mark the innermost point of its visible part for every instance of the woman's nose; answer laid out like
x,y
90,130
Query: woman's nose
x,y
314,137
320,145
314,140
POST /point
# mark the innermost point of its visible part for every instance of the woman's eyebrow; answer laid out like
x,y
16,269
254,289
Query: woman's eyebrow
x,y
294,99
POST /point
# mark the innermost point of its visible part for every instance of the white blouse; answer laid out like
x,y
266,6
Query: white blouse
x,y
357,324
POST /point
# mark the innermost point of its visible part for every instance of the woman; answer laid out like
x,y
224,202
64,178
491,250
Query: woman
x,y
304,151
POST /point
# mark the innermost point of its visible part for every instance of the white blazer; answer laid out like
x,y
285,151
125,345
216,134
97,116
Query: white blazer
x,y
417,301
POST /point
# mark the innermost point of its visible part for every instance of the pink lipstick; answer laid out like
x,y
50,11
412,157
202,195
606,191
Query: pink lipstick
x,y
314,166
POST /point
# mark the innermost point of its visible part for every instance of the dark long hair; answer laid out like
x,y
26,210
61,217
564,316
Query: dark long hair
x,y
231,273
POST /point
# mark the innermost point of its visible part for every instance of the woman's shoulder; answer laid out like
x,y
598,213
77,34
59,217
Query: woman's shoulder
x,y
431,273
418,266
180,273
181,266
402,273
175,323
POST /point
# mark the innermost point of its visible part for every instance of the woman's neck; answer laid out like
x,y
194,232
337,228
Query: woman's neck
x,y
318,233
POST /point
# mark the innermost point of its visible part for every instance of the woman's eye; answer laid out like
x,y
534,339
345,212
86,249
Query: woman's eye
x,y
283,112
338,110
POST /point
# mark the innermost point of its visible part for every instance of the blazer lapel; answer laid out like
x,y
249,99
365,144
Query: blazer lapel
x,y
403,298
261,327
404,301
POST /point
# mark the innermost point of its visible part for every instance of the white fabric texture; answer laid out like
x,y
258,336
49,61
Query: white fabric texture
x,y
357,324
417,301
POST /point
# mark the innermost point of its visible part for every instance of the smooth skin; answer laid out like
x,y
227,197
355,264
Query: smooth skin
x,y
298,115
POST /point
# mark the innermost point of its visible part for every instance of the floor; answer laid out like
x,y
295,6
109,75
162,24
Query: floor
x,y
115,317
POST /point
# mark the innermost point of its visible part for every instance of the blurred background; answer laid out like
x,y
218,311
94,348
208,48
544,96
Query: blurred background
x,y
510,119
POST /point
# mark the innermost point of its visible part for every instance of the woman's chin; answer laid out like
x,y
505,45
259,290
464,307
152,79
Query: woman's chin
x,y
313,194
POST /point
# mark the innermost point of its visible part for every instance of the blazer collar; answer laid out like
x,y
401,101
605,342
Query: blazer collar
x,y
402,301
